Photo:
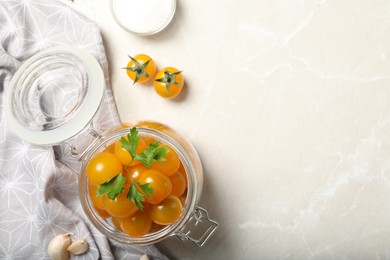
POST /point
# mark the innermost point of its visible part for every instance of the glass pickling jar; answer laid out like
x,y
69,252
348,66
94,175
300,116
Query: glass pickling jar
x,y
52,100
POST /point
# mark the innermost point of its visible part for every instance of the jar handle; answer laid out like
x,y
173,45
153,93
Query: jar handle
x,y
74,151
198,228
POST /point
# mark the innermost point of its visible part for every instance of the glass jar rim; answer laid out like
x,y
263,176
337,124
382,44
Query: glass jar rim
x,y
104,227
27,82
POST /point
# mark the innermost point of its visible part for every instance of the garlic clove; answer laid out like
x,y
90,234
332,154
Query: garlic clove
x,y
57,247
144,257
78,247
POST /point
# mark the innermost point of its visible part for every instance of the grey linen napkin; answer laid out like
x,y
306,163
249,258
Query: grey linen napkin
x,y
39,184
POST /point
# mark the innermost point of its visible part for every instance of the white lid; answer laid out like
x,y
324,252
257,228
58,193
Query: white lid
x,y
144,17
54,95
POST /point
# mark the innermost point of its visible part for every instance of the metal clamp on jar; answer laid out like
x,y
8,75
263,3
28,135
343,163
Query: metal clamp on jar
x,y
45,109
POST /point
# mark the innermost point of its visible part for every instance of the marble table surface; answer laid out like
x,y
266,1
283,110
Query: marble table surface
x,y
287,103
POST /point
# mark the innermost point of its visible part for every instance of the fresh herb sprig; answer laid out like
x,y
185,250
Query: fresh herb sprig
x,y
137,191
137,197
112,187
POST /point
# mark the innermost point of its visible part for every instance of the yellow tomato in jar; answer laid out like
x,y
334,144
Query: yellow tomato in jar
x,y
102,213
121,206
124,156
136,225
102,167
170,165
132,173
117,222
167,211
179,184
97,201
160,184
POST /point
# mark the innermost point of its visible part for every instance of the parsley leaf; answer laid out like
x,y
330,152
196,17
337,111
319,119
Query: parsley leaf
x,y
137,197
147,189
113,187
131,143
153,153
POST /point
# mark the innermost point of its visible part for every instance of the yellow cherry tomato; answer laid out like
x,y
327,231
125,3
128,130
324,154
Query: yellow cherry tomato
x,y
133,172
117,222
167,211
141,68
102,167
179,184
97,201
160,183
156,227
183,172
124,156
121,206
102,213
170,165
169,82
136,225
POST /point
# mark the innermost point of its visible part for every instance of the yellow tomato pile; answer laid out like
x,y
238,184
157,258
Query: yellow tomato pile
x,y
160,208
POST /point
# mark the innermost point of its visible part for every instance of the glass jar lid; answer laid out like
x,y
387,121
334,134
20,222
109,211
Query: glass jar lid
x,y
54,95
